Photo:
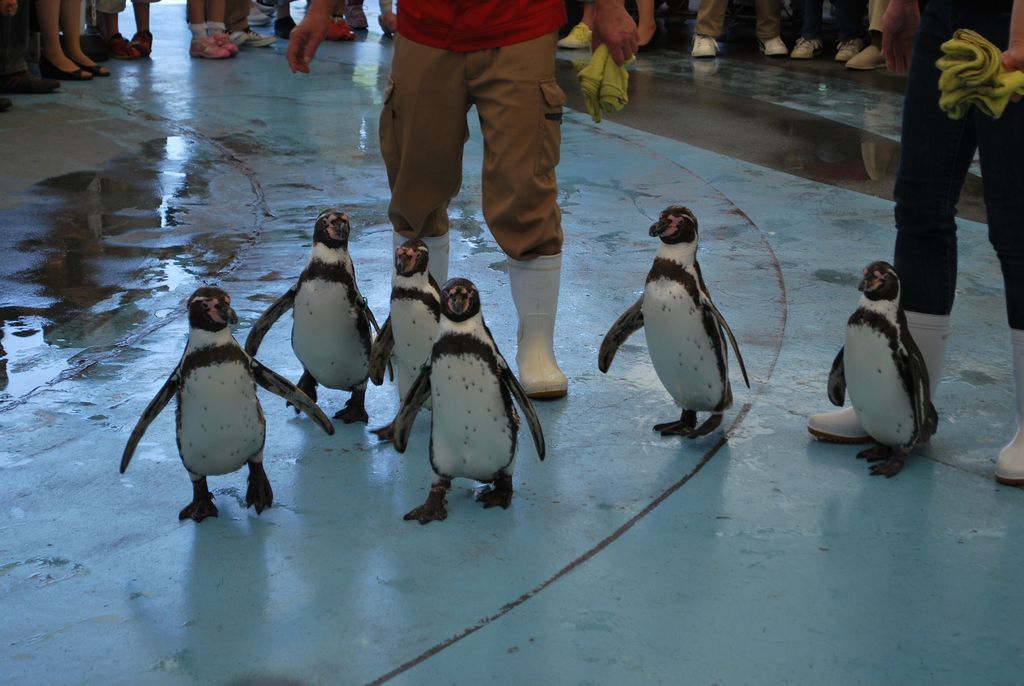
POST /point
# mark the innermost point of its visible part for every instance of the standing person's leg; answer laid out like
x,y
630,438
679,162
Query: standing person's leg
x,y
769,28
355,17
850,21
14,74
710,19
935,154
142,40
71,38
520,107
809,44
117,47
871,56
53,63
422,134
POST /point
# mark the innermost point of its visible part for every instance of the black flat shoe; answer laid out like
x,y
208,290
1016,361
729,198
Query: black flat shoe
x,y
94,69
47,70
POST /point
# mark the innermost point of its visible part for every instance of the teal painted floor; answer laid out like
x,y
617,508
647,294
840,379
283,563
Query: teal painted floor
x,y
754,555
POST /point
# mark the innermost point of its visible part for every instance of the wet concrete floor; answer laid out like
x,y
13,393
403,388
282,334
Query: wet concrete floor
x,y
754,555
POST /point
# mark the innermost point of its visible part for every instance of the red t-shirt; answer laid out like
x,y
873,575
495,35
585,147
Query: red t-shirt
x,y
468,25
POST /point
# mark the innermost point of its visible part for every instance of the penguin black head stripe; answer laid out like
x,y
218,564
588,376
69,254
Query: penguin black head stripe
x,y
460,299
209,308
676,224
411,257
331,229
880,282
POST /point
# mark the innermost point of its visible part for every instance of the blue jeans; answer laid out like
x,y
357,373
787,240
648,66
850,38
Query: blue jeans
x,y
935,154
849,19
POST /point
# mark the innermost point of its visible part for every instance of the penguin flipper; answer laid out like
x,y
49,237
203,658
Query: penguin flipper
x,y
920,390
267,319
365,306
380,352
837,381
156,405
411,404
631,321
519,393
724,326
278,385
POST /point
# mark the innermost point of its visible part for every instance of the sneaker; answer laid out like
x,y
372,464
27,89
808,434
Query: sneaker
x,y
806,48
773,47
848,49
355,17
867,59
223,40
252,39
577,39
338,29
120,49
142,41
258,19
283,27
704,46
207,48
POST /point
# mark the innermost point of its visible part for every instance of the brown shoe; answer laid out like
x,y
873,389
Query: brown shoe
x,y
142,41
121,49
27,82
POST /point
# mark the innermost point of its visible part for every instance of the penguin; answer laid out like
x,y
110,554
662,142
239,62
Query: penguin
x,y
219,422
684,329
474,425
331,319
409,331
882,367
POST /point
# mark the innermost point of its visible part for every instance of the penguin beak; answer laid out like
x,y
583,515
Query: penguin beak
x,y
222,313
338,227
458,303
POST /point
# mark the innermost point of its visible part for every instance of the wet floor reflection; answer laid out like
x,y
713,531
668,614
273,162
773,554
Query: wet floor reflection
x,y
86,252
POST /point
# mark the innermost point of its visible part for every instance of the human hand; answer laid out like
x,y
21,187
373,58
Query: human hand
x,y
304,40
615,28
8,8
389,22
899,24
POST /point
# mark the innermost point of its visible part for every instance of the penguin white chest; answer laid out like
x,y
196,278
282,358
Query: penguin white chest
x,y
685,357
221,423
414,328
325,337
882,404
472,434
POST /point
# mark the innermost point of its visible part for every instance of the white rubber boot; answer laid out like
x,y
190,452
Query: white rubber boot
x,y
931,333
1010,465
535,292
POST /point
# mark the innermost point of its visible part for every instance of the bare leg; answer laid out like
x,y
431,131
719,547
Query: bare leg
x,y
645,27
71,32
48,13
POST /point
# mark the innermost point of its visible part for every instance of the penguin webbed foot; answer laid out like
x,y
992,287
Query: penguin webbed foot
x,y
259,494
201,506
306,384
683,426
355,408
432,510
498,494
892,466
385,434
875,453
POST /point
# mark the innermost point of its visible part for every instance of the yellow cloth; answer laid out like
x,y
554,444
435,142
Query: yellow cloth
x,y
973,74
604,83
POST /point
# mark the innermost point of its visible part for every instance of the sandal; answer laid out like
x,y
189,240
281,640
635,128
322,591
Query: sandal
x,y
94,69
142,41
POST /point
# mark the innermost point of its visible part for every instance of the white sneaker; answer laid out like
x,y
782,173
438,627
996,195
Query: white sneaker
x,y
848,49
252,39
839,426
577,39
773,47
806,48
704,46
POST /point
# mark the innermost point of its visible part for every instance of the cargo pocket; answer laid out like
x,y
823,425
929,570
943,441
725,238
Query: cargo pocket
x,y
388,131
549,138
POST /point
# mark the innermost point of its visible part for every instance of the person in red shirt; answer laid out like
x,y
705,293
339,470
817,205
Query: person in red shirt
x,y
498,55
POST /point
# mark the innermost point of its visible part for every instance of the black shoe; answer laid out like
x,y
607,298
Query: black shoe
x,y
26,82
48,70
5,104
283,27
